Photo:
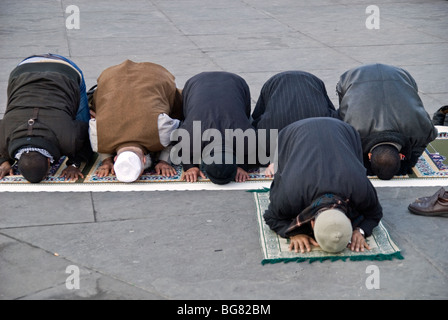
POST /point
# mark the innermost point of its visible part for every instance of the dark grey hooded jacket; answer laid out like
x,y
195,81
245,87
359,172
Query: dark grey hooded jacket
x,y
382,103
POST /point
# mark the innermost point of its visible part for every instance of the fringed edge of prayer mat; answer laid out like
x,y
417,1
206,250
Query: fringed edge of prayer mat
x,y
382,246
379,257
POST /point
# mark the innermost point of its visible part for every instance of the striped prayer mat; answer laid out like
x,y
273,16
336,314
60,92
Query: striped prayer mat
x,y
150,176
149,181
433,162
431,170
89,171
276,249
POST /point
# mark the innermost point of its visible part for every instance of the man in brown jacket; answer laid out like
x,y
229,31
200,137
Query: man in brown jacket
x,y
136,107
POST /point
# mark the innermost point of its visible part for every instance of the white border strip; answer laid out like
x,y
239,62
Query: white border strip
x,y
422,182
120,187
187,186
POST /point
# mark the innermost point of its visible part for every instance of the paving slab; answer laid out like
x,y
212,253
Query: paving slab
x,y
38,210
212,251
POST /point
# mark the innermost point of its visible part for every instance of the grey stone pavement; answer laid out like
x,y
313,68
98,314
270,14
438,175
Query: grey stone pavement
x,y
190,245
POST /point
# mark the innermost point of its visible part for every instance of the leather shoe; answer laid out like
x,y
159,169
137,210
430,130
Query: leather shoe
x,y
440,193
435,205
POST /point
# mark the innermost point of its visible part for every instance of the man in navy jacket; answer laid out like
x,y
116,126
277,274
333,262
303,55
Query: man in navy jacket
x,y
320,167
214,105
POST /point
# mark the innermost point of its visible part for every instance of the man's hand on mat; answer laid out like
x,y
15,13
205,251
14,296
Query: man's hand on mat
x,y
5,169
241,175
71,173
358,242
269,172
191,175
107,166
165,169
301,242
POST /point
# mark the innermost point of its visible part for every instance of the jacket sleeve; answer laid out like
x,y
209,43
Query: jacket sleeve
x,y
418,146
371,220
187,166
274,216
279,214
439,117
4,159
4,156
83,147
276,224
82,155
371,211
280,226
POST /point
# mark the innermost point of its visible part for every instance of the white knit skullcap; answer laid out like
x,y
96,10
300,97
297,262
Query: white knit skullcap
x,y
128,166
332,230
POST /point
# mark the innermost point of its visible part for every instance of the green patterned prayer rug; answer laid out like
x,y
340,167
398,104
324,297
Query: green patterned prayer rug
x,y
276,249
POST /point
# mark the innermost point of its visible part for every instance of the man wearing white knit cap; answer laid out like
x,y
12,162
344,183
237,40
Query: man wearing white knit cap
x,y
332,230
136,106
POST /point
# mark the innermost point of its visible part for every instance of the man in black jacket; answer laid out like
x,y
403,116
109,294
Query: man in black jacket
x,y
382,103
319,169
285,98
216,105
46,118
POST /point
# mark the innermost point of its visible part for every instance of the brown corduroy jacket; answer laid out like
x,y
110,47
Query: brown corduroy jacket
x,y
128,100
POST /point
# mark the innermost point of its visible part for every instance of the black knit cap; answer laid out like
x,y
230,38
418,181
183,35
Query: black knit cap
x,y
224,172
33,166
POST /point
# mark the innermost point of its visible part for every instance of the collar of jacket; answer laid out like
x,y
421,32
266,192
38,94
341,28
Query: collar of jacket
x,y
37,142
377,138
326,201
